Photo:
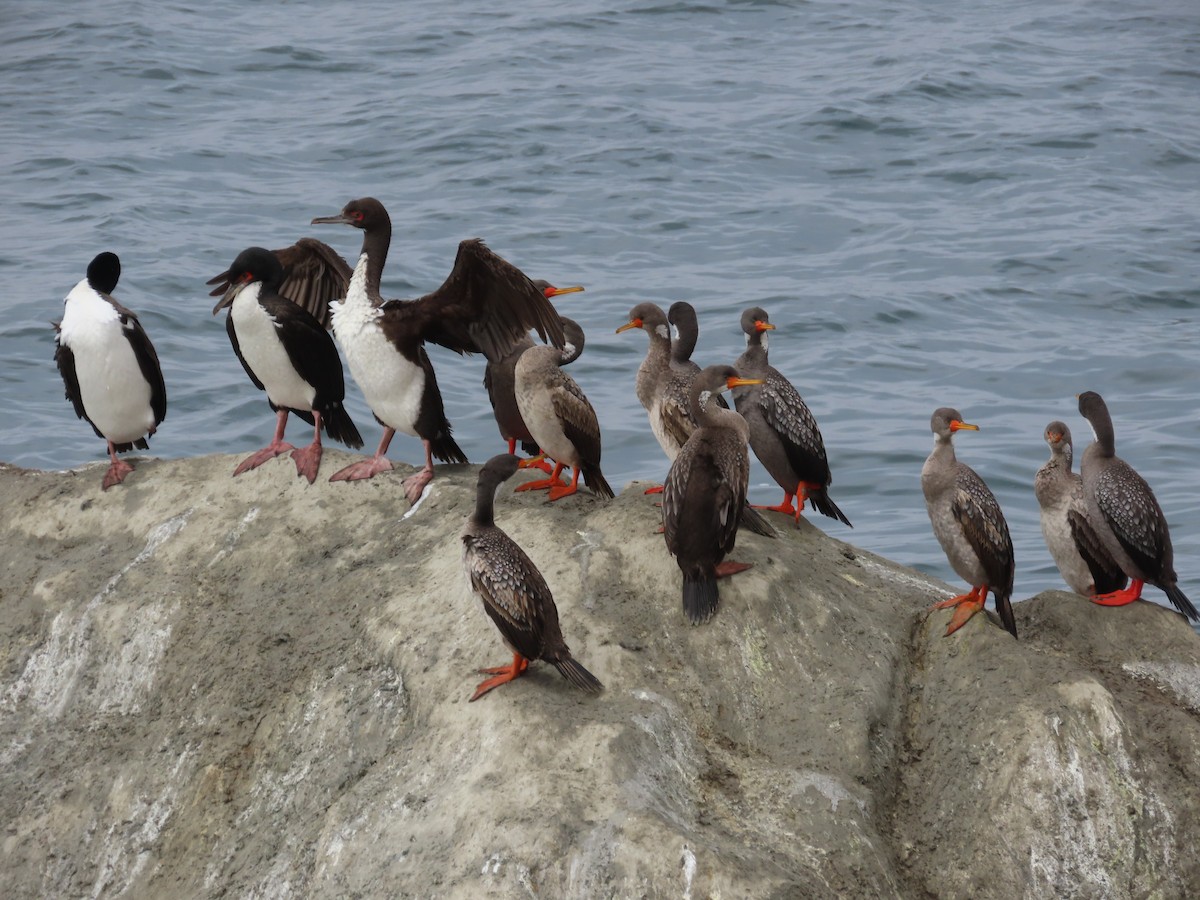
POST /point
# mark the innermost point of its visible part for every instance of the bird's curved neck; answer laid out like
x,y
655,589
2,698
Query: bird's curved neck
x,y
943,448
376,241
708,412
684,345
485,505
1106,442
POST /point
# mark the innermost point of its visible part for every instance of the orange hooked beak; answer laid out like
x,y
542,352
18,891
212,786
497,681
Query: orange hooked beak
x,y
760,325
552,291
632,323
956,425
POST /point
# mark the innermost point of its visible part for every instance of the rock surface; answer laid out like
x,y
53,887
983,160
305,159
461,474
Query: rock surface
x,y
257,687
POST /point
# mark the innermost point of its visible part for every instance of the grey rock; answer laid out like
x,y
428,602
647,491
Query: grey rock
x,y
256,687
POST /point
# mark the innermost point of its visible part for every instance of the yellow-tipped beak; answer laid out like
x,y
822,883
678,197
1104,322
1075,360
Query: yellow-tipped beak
x,y
962,426
557,291
632,323
763,326
739,382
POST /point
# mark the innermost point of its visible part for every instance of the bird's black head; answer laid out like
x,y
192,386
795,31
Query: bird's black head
x,y
103,272
366,213
256,264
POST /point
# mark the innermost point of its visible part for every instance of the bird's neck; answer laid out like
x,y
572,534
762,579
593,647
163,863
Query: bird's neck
x,y
683,346
756,350
1106,443
369,272
485,505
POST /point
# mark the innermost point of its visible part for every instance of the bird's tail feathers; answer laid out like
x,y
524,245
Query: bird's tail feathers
x,y
445,448
594,479
699,597
340,427
754,521
824,504
578,675
1005,610
1182,603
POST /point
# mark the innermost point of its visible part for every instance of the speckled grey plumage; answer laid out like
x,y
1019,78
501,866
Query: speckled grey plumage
x,y
783,431
966,518
1070,537
512,589
1128,519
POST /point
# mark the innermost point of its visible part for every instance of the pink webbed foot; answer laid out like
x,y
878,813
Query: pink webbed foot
x,y
363,469
308,460
414,485
116,473
727,568
264,455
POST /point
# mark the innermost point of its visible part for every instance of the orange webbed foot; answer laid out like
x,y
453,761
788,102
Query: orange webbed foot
x,y
1121,597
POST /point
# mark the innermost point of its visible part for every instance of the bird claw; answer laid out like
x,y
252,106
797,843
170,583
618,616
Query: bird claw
x,y
308,460
266,454
363,469
116,474
414,485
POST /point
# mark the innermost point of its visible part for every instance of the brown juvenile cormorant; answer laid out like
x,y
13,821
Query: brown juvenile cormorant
x,y
513,591
705,492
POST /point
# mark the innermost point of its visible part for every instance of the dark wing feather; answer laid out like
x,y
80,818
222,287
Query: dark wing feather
x,y
486,305
314,275
1132,512
976,510
64,358
676,418
146,356
237,349
578,418
788,415
513,591
1106,574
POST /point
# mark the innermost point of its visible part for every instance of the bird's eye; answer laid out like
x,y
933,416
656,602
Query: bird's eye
x,y
357,215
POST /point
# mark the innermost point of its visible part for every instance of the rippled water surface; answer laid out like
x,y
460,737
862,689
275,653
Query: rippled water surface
x,y
990,205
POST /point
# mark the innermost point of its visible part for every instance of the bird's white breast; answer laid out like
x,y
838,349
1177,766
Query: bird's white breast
x,y
115,394
259,340
392,385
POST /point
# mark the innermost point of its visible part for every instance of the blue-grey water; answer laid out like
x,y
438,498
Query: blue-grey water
x,y
990,205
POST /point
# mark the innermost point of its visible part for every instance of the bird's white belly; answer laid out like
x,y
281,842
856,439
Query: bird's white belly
x,y
537,409
258,339
392,385
665,439
115,394
1061,545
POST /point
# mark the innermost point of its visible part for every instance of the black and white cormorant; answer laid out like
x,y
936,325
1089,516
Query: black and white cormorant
x,y
108,366
287,353
484,306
